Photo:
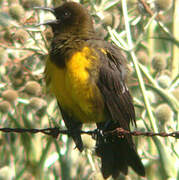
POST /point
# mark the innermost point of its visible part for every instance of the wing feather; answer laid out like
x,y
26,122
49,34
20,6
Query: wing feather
x,y
112,84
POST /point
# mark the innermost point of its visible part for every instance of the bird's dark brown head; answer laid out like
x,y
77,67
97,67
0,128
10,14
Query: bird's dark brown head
x,y
70,17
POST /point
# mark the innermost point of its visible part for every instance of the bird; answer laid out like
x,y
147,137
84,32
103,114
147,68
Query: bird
x,y
88,77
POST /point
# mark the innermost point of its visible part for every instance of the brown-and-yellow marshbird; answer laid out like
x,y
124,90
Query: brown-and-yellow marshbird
x,y
88,77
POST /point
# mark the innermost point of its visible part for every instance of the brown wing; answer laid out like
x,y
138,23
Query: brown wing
x,y
112,77
117,153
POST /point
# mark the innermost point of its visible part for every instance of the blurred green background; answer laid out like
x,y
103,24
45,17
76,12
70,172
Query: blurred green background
x,y
146,30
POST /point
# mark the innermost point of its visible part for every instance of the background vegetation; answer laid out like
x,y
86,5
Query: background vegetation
x,y
146,30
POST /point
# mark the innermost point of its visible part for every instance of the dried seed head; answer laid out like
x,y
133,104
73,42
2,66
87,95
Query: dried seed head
x,y
8,35
159,62
21,36
33,88
5,106
143,57
164,113
37,103
16,11
164,81
10,95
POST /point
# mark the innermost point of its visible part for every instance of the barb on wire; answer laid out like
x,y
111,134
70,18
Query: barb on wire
x,y
122,132
54,132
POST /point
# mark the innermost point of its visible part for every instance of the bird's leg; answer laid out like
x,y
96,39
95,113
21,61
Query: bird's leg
x,y
105,131
100,131
106,125
97,133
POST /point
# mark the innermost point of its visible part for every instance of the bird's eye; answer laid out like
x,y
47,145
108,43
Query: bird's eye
x,y
66,14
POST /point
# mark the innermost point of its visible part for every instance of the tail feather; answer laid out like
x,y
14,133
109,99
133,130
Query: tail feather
x,y
77,139
136,164
116,156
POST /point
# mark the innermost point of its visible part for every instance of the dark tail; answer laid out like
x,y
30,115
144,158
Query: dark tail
x,y
116,156
74,127
77,139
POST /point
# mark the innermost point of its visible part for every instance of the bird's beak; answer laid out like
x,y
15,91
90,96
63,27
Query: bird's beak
x,y
45,9
51,22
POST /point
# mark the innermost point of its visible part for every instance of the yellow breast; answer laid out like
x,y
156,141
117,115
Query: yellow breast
x,y
75,91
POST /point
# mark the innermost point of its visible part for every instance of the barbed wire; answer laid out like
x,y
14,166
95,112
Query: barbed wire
x,y
54,132
121,131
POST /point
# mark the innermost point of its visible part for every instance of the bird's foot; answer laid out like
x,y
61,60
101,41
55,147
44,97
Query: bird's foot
x,y
99,136
97,133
